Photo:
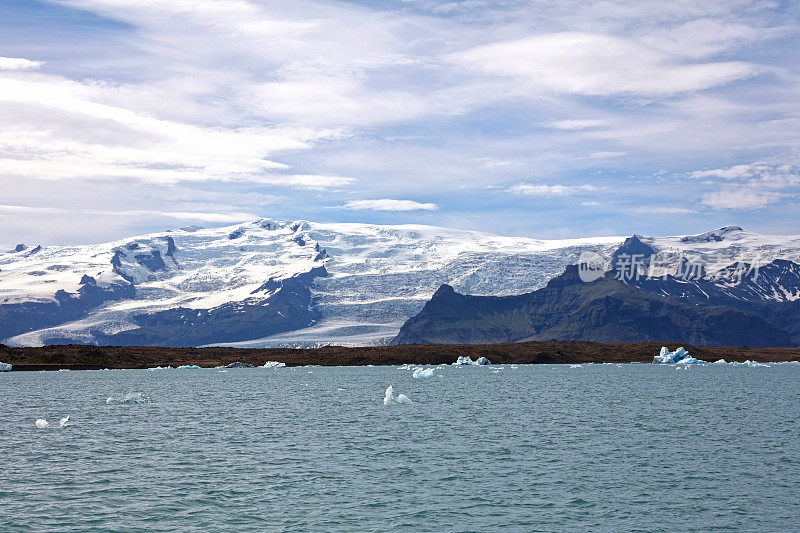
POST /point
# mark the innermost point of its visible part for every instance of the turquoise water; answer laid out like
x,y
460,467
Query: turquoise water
x,y
531,448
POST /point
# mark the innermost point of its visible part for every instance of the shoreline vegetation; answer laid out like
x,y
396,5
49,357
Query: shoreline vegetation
x,y
88,357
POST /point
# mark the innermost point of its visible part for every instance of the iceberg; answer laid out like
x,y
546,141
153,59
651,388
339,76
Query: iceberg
x,y
64,422
421,373
467,360
389,398
273,364
678,357
188,367
238,364
5,367
42,423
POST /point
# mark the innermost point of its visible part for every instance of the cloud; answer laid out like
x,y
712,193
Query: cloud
x,y
744,198
750,186
307,181
579,124
178,215
664,210
538,189
386,204
19,63
595,64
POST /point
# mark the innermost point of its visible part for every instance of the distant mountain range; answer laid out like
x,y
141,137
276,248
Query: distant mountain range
x,y
302,284
694,299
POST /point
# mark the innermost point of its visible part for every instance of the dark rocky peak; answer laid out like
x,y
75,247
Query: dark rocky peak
x,y
152,261
87,280
20,248
631,256
36,250
171,248
133,246
299,240
236,233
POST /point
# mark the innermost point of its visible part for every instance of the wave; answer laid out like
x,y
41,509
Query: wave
x,y
131,397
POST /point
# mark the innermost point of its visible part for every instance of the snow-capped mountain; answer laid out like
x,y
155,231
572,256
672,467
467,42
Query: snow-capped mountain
x,y
273,283
262,283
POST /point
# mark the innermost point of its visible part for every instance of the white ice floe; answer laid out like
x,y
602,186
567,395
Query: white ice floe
x,y
273,364
466,360
64,422
745,363
421,373
42,423
131,397
5,367
679,357
576,366
188,367
754,363
389,398
159,368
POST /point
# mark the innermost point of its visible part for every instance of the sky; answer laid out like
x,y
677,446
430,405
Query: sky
x,y
548,119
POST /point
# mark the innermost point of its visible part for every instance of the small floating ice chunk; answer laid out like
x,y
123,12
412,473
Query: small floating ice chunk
x,y
389,398
64,422
188,367
679,356
5,367
273,364
755,363
131,397
482,361
238,364
42,423
421,373
159,368
576,366
402,398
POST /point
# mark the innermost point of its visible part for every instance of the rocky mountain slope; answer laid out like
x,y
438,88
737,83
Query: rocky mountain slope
x,y
701,289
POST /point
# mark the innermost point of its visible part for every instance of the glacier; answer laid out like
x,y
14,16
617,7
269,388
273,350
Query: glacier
x,y
314,283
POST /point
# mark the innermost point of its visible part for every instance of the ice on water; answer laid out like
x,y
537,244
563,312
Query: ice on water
x,y
679,356
421,373
273,364
42,423
390,398
5,367
465,360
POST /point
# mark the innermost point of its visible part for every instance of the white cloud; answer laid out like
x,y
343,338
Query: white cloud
x,y
306,181
539,189
386,204
596,64
744,198
19,63
151,214
664,210
750,186
578,124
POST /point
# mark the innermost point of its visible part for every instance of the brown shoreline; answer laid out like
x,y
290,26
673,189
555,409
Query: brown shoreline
x,y
84,357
